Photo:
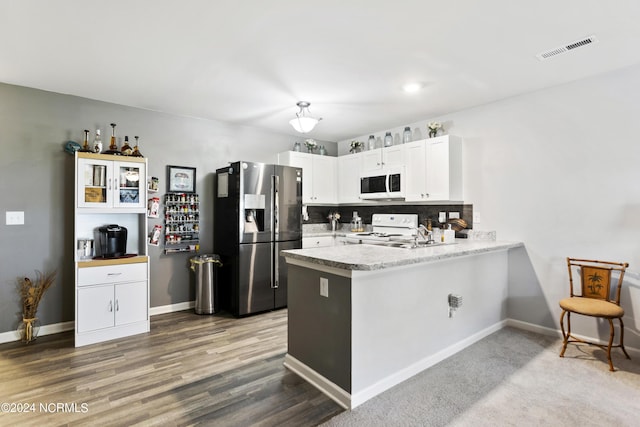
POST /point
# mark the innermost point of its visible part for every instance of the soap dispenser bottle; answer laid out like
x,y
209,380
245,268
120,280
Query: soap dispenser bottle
x,y
449,235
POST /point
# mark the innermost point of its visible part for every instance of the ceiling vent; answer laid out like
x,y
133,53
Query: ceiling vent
x,y
566,48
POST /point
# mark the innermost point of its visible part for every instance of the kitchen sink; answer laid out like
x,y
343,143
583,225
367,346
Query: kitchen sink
x,y
411,245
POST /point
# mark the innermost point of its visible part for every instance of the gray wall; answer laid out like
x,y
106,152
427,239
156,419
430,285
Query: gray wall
x,y
36,176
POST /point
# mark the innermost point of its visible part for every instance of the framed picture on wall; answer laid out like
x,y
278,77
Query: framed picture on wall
x,y
181,179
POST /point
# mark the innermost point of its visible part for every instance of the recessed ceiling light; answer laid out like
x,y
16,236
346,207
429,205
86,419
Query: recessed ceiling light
x,y
412,87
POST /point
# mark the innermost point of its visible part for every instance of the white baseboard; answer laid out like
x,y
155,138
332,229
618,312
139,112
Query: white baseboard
x,y
163,309
329,388
543,330
55,328
362,396
350,401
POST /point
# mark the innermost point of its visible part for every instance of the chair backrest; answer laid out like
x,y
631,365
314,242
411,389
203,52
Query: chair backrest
x,y
595,278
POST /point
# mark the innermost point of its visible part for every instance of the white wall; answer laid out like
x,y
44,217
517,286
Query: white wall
x,y
558,169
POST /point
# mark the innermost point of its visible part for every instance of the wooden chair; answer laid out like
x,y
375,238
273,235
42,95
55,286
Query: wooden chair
x,y
594,300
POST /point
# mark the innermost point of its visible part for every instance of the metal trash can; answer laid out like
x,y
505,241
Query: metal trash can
x,y
205,268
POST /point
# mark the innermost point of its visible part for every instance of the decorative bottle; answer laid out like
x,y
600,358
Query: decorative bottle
x,y
406,135
97,142
85,146
136,151
371,145
388,139
113,146
126,149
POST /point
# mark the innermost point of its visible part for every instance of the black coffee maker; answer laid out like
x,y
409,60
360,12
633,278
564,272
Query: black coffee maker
x,y
113,241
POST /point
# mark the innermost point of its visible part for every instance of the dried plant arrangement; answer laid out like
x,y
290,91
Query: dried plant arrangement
x,y
31,293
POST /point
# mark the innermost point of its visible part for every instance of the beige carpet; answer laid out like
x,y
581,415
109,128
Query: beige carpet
x,y
511,378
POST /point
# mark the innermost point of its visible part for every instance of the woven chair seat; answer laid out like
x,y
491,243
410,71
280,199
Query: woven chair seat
x,y
592,307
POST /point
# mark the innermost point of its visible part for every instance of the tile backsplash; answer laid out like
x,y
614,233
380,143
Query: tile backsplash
x,y
319,214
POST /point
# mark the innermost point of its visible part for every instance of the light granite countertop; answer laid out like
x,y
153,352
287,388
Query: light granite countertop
x,y
377,257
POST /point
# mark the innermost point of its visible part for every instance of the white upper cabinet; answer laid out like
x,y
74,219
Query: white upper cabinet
x,y
111,183
381,157
319,175
349,167
434,169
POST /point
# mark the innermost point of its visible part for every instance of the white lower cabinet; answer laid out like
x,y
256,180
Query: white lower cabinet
x,y
111,302
107,306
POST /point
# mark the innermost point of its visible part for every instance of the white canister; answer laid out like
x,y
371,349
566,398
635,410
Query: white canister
x,y
85,248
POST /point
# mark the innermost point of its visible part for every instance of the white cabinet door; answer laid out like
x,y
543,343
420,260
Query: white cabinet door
x,y
95,183
130,302
393,155
305,162
95,308
444,168
319,175
415,161
372,159
129,185
349,178
325,172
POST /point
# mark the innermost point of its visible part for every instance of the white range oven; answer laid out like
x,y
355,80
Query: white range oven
x,y
386,228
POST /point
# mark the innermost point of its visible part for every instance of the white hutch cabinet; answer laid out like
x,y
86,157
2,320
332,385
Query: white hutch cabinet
x,y
111,294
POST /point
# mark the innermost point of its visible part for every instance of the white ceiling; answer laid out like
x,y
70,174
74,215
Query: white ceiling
x,y
250,61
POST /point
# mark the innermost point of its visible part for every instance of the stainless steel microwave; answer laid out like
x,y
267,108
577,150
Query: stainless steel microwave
x,y
387,183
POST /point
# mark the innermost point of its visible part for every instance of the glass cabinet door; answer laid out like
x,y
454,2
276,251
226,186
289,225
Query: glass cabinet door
x,y
111,184
94,183
129,185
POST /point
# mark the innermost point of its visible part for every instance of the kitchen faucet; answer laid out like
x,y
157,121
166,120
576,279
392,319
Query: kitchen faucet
x,y
422,231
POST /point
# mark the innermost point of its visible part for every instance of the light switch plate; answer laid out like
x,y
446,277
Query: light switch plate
x,y
454,215
14,218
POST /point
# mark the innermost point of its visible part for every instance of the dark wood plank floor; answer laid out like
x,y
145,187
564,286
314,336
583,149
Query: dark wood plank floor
x,y
189,370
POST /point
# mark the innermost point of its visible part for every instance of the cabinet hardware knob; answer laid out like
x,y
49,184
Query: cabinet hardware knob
x,y
113,274
117,306
110,306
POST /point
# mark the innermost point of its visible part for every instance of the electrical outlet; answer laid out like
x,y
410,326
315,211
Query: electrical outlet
x,y
476,217
14,218
454,215
324,287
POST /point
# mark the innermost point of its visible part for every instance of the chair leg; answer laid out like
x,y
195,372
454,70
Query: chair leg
x,y
565,337
610,343
622,338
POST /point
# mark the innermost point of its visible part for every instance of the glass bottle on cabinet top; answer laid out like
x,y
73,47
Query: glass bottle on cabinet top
x,y
388,139
85,145
371,144
126,149
113,146
181,222
97,142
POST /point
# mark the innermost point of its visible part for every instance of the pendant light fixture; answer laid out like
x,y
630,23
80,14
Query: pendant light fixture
x,y
303,122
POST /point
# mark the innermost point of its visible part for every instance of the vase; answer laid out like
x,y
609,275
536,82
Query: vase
x,y
29,329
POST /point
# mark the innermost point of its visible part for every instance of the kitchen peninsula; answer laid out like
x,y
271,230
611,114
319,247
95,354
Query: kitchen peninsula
x,y
363,318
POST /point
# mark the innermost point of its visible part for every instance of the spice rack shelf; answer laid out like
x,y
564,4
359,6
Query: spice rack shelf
x,y
181,223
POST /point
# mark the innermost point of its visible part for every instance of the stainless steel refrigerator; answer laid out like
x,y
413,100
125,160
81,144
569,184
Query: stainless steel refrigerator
x,y
257,213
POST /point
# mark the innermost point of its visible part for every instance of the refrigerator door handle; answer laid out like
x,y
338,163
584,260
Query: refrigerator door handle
x,y
275,182
275,265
